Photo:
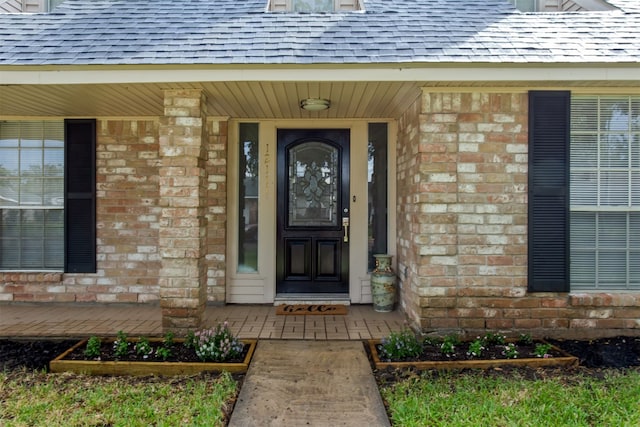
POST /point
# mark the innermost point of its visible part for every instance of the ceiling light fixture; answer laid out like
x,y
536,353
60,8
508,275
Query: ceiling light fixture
x,y
315,104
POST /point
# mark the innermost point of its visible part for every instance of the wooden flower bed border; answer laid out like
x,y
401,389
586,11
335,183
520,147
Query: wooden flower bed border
x,y
565,360
94,367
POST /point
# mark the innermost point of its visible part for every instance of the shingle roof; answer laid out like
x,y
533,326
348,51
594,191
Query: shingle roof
x,y
156,32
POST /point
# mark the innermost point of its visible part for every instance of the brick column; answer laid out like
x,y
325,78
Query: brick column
x,y
438,196
183,225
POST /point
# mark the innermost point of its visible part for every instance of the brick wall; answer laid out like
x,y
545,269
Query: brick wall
x,y
127,226
127,215
153,203
183,200
408,215
462,200
216,210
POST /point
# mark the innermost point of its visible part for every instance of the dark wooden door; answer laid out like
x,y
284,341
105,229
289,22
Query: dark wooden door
x,y
313,211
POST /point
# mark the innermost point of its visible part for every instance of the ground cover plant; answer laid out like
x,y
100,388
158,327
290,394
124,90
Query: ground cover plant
x,y
37,398
603,390
518,397
405,346
33,397
216,344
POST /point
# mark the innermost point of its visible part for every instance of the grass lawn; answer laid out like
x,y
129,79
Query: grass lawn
x,y
36,398
603,398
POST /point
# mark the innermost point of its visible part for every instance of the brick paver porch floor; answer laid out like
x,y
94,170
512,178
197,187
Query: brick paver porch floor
x,y
246,321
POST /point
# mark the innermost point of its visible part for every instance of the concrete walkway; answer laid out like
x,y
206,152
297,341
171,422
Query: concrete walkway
x,y
309,383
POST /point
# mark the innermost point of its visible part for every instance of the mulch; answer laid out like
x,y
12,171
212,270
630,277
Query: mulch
x,y
596,358
616,352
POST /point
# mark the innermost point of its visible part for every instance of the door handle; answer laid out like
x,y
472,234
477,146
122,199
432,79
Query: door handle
x,y
345,226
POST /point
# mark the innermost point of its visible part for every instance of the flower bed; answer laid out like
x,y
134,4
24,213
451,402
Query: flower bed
x,y
211,350
403,349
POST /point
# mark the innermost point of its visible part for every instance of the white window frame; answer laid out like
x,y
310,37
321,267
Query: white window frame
x,y
338,6
21,206
588,247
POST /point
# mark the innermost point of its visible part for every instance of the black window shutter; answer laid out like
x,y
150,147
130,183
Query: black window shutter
x,y
549,126
80,196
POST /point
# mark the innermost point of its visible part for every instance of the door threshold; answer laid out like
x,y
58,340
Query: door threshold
x,y
290,299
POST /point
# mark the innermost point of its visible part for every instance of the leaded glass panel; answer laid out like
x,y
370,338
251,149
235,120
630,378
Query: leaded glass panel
x,y
313,185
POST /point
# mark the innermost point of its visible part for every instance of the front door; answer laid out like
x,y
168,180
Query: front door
x,y
313,211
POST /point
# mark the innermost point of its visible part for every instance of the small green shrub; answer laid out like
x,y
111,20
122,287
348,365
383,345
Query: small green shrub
x,y
400,345
143,347
168,339
525,339
542,350
190,340
510,351
447,348
449,343
121,345
163,353
93,347
497,338
475,348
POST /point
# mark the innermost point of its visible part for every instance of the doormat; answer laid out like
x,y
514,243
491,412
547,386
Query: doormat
x,y
311,309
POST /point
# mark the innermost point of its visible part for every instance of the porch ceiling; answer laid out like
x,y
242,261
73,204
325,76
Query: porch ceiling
x,y
279,99
260,100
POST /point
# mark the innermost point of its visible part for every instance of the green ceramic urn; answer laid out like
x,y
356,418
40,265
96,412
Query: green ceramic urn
x,y
383,284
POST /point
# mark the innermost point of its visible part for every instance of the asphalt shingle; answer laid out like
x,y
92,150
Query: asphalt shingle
x,y
114,32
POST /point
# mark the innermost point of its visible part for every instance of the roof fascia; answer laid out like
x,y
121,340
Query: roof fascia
x,y
461,73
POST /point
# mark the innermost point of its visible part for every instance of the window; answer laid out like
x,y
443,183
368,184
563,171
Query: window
x,y
248,182
47,195
28,6
605,193
377,185
31,195
314,6
525,5
584,192
562,5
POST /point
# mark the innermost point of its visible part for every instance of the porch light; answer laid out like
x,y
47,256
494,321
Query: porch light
x,y
315,104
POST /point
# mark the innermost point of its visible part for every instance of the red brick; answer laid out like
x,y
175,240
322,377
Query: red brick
x,y
583,323
544,313
629,313
500,260
444,323
527,323
555,323
610,323
500,324
85,297
471,323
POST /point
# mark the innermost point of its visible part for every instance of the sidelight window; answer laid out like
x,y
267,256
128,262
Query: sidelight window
x,y
378,189
248,197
